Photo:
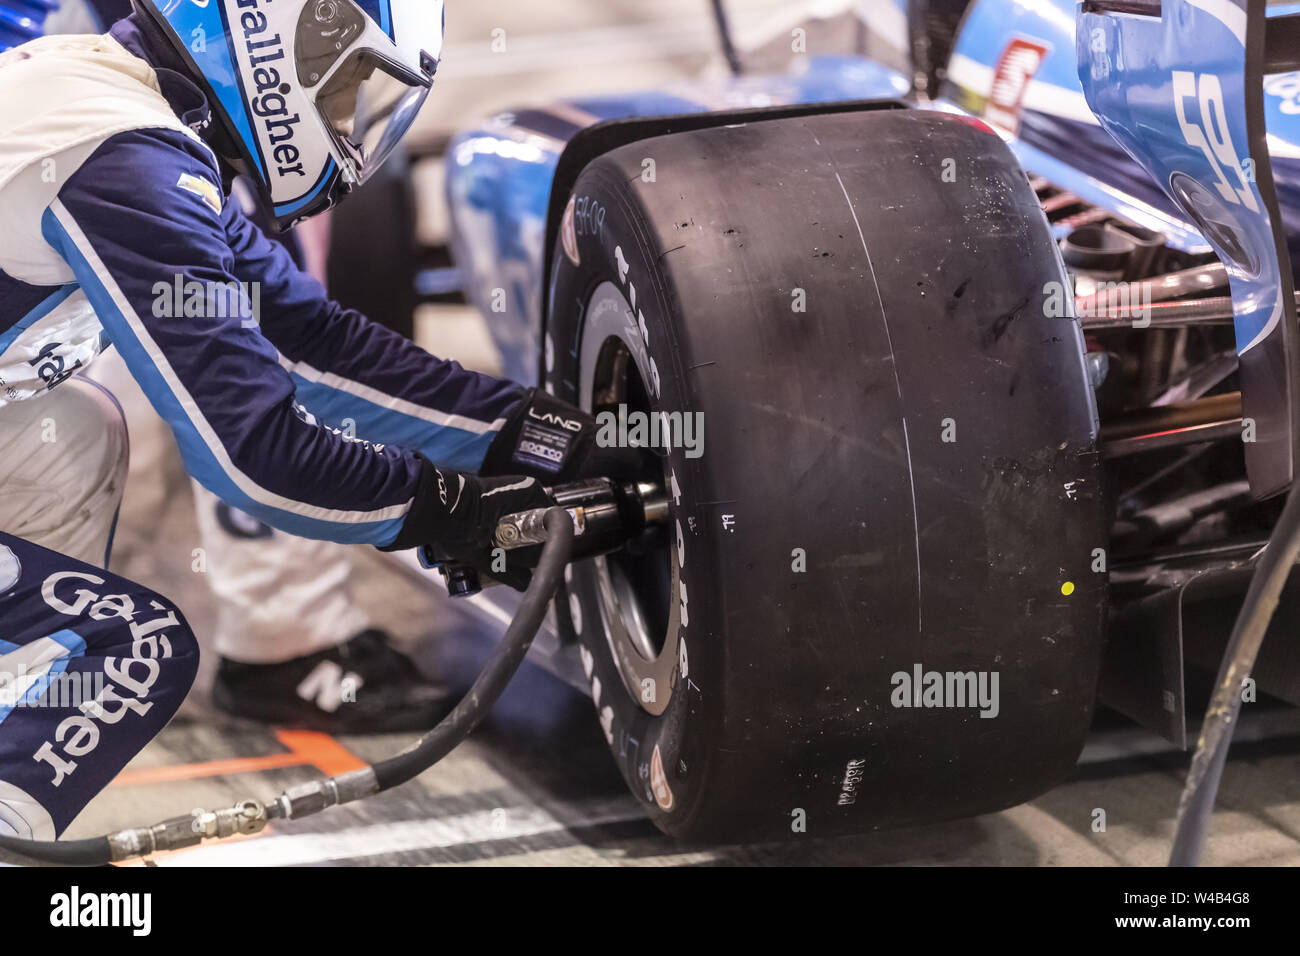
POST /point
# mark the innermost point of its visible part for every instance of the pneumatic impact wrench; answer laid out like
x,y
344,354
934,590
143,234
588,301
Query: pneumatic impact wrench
x,y
606,515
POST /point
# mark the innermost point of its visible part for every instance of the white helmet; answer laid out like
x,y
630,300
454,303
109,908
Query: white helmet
x,y
315,94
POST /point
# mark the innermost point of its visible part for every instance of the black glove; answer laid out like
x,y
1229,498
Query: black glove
x,y
457,514
555,442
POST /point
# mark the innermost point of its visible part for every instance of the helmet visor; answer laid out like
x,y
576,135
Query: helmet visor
x,y
369,105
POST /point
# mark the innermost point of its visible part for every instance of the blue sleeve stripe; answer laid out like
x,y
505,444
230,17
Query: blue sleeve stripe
x,y
459,448
401,406
205,456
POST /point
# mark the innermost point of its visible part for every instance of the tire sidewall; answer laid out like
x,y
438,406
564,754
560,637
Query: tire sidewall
x,y
611,239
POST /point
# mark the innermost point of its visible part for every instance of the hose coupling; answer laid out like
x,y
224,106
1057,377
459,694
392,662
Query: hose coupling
x,y
177,833
318,795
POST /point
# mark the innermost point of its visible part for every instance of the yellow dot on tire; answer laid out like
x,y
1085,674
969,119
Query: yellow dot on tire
x,y
1067,588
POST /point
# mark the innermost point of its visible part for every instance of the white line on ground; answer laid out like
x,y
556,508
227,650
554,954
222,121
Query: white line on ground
x,y
290,849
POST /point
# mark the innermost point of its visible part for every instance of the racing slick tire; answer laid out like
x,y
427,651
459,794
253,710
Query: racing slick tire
x,y
893,473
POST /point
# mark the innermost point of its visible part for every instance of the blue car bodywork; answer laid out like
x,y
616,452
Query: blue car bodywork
x,y
23,20
1014,64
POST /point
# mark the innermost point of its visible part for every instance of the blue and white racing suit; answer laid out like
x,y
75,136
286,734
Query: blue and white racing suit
x,y
116,230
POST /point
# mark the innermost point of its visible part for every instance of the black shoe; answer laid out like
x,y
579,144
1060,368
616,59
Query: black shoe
x,y
363,686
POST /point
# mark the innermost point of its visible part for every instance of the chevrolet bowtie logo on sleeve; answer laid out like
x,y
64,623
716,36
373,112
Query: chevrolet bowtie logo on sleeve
x,y
200,187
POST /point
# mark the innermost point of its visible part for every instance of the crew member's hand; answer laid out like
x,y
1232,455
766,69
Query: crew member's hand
x,y
556,443
457,514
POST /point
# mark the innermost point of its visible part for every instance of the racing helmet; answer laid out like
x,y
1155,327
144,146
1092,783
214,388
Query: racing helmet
x,y
315,94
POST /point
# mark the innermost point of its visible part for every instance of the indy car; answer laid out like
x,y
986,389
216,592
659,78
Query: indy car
x,y
991,336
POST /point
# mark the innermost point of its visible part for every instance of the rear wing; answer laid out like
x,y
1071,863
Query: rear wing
x,y
1179,84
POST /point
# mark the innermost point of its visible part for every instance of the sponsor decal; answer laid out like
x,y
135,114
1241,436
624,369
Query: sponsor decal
x,y
347,433
200,187
51,367
568,235
442,490
544,440
1016,67
130,679
269,96
659,781
569,424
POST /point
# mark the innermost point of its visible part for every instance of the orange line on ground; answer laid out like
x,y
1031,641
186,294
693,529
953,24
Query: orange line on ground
x,y
305,747
321,751
214,768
